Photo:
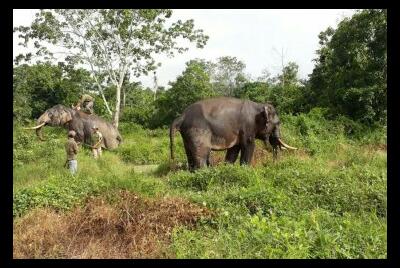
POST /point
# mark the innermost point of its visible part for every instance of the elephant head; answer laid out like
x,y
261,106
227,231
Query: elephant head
x,y
82,123
58,115
270,129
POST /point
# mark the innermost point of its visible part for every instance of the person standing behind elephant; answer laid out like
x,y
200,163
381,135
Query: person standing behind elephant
x,y
96,139
71,147
87,102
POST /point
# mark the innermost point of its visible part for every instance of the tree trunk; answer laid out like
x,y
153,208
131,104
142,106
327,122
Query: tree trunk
x,y
283,72
124,98
117,107
123,91
104,99
115,121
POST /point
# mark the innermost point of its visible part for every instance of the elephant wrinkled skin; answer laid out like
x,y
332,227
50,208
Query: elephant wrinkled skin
x,y
81,123
226,124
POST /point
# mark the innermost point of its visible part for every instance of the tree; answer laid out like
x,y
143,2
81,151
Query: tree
x,y
110,42
282,59
265,76
193,85
289,74
41,86
140,106
351,69
254,91
226,75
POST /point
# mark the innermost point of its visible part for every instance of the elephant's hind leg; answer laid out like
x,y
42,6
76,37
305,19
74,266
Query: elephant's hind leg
x,y
232,154
201,157
199,145
189,154
247,153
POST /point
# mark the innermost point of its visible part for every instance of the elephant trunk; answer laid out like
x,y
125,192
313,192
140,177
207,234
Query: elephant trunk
x,y
38,130
42,121
39,133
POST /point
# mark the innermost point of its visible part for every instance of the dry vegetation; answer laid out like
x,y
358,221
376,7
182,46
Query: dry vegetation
x,y
129,227
325,200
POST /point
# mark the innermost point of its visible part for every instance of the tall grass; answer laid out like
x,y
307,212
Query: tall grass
x,y
326,200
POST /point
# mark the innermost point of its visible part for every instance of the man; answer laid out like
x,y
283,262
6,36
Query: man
x,y
86,101
96,139
71,147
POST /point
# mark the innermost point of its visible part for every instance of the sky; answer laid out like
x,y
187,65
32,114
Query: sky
x,y
257,37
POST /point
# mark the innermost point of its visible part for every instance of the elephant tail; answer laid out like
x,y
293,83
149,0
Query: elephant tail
x,y
176,124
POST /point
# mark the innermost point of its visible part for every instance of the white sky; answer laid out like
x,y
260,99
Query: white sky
x,y
248,34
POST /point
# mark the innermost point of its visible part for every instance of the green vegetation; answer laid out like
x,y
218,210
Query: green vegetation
x,y
327,200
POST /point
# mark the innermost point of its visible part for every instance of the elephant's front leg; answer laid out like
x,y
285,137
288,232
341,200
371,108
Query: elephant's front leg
x,y
208,159
275,152
247,151
274,143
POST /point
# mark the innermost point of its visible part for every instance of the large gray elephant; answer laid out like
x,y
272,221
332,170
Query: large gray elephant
x,y
226,124
81,123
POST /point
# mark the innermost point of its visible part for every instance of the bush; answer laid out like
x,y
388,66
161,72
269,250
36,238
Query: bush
x,y
59,192
325,200
28,148
224,175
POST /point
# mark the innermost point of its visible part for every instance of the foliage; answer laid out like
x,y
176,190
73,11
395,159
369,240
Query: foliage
x,y
41,86
226,75
285,91
351,70
202,179
110,41
146,146
255,91
326,200
139,107
59,192
193,85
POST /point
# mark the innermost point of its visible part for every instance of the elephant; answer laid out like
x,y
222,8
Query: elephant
x,y
225,123
81,123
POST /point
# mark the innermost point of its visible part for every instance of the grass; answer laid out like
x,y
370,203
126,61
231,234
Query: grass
x,y
119,225
326,200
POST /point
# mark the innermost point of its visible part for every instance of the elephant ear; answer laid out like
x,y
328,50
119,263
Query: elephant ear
x,y
266,114
65,117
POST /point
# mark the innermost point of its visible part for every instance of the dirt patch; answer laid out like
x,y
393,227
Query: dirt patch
x,y
131,227
375,147
260,156
371,150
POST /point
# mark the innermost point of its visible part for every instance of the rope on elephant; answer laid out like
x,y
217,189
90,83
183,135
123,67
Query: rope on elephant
x,y
91,146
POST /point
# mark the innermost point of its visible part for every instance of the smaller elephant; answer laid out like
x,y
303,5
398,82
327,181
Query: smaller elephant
x,y
81,122
224,123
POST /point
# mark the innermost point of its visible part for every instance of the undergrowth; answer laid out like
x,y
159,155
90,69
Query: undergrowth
x,y
325,200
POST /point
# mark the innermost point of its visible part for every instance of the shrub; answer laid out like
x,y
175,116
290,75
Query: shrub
x,y
59,192
224,175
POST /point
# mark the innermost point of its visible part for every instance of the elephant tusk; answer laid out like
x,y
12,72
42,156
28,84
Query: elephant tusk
x,y
286,146
36,127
